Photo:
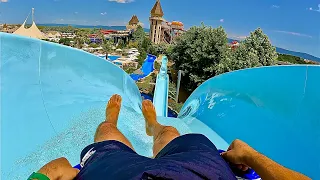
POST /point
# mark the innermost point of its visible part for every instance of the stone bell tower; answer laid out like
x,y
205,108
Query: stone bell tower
x,y
156,23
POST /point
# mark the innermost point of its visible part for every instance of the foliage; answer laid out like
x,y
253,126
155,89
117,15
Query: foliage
x,y
107,46
139,34
157,66
260,42
65,41
172,96
198,52
161,49
175,106
93,45
146,85
143,42
121,44
145,45
133,44
78,42
291,59
202,52
68,29
142,57
129,70
241,58
100,35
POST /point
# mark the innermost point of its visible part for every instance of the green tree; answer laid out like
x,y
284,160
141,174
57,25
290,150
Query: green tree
x,y
121,44
198,52
143,42
65,41
133,44
157,66
78,42
93,45
107,46
139,34
142,57
260,42
241,58
100,35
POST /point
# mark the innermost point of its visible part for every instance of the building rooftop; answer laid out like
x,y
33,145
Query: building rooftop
x,y
157,9
134,20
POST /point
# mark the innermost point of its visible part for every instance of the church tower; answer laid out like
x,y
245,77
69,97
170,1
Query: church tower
x,y
156,23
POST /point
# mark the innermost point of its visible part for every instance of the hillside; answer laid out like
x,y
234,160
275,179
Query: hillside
x,y
289,52
298,54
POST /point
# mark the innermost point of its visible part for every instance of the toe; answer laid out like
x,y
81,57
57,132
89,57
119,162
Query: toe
x,y
147,104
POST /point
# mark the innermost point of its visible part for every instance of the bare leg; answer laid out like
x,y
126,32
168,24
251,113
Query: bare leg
x,y
162,135
108,130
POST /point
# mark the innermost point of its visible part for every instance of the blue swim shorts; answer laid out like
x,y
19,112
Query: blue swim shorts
x,y
191,156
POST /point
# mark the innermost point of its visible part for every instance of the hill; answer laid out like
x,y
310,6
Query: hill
x,y
298,54
289,52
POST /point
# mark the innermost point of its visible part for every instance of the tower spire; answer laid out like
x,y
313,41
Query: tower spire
x,y
157,9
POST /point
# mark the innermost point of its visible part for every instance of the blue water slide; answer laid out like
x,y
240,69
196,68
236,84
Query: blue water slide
x,y
274,109
160,99
146,69
53,97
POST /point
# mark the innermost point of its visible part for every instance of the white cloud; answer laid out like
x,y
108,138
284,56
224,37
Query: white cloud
x,y
294,33
275,6
221,20
4,1
317,10
103,13
122,1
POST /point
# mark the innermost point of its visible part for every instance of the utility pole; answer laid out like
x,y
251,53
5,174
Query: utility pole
x,y
178,85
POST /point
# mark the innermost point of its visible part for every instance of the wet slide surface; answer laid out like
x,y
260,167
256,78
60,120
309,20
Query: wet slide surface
x,y
274,109
53,97
160,99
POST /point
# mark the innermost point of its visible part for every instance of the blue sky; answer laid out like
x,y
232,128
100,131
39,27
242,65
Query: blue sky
x,y
290,24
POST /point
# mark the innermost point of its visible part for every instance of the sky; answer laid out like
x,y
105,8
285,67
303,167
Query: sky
x,y
290,24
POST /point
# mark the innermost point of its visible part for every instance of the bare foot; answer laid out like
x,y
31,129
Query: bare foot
x,y
113,109
150,116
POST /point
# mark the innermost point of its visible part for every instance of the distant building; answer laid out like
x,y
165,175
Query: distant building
x,y
32,32
68,35
53,36
123,35
133,23
156,23
94,38
107,33
234,45
162,31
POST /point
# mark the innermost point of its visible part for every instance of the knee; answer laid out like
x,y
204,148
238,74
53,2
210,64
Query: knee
x,y
169,129
105,126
